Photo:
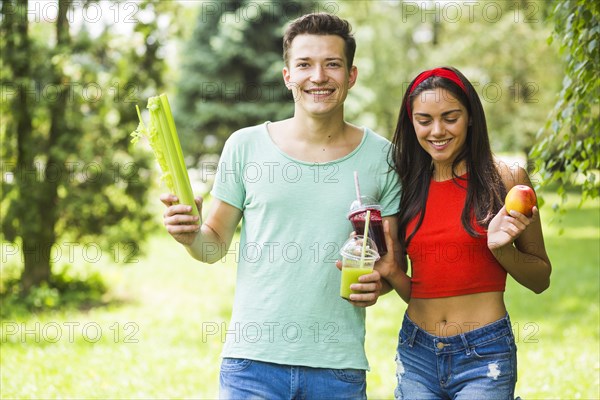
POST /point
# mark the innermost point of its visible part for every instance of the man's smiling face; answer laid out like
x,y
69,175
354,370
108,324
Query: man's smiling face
x,y
318,74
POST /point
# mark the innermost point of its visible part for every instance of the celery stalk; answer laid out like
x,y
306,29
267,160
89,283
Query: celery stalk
x,y
163,138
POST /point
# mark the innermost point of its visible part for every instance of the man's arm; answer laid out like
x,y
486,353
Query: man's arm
x,y
208,241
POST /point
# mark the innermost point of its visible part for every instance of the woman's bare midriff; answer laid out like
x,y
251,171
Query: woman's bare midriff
x,y
449,316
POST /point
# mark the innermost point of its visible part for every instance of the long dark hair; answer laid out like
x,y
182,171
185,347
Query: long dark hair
x,y
485,190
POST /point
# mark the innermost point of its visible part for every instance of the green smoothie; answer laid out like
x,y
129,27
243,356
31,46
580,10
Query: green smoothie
x,y
350,276
358,259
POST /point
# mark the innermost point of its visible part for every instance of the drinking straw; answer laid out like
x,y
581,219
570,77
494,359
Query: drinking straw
x,y
357,187
365,239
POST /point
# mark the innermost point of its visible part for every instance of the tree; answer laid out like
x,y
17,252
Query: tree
x,y
569,147
231,71
69,178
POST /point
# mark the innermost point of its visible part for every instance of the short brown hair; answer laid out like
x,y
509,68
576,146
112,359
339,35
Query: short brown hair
x,y
321,24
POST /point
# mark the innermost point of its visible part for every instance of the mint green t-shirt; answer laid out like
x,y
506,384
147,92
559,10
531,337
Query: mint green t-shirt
x,y
287,307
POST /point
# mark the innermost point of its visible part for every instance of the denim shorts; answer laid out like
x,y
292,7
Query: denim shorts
x,y
479,364
242,379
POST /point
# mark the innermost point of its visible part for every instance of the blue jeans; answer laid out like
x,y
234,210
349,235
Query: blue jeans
x,y
480,364
249,379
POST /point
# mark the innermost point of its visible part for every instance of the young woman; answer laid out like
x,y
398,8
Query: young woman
x,y
456,340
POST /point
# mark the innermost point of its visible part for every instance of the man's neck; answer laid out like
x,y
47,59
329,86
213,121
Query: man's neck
x,y
317,131
315,140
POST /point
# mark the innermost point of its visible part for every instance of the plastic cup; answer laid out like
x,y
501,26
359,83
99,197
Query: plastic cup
x,y
357,215
353,266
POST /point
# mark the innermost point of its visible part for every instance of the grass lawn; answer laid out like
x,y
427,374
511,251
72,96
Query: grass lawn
x,y
162,338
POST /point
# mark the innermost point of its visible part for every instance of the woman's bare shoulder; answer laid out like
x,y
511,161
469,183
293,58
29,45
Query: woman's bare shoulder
x,y
512,175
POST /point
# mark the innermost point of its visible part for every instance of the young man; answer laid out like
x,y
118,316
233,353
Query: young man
x,y
292,182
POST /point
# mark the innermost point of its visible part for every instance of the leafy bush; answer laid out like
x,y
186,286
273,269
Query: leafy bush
x,y
67,288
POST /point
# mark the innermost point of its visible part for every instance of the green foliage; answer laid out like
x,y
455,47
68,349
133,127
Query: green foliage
x,y
231,71
68,173
67,288
569,145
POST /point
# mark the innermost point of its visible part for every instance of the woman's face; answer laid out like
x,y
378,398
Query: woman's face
x,y
441,124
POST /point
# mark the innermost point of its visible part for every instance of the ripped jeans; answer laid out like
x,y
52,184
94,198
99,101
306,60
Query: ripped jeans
x,y
480,364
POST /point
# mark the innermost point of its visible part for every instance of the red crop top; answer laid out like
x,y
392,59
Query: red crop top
x,y
445,260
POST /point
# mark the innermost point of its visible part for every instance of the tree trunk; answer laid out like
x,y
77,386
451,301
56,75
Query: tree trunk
x,y
38,193
37,267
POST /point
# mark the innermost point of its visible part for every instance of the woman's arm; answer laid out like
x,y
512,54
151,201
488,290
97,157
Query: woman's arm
x,y
517,242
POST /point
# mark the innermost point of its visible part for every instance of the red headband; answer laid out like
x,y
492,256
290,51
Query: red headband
x,y
441,72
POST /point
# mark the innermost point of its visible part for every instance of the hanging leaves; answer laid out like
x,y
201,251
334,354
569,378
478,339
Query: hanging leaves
x,y
569,144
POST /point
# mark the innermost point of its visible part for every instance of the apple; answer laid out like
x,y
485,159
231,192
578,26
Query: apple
x,y
520,198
